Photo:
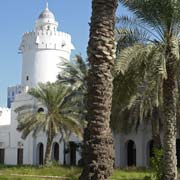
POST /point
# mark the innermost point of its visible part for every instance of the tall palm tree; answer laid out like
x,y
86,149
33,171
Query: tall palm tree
x,y
137,94
101,54
163,17
137,103
63,114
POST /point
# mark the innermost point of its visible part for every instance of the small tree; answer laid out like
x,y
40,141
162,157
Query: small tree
x,y
63,114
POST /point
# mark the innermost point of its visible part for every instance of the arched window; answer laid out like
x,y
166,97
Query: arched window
x,y
40,110
40,154
131,153
2,155
56,151
72,151
20,156
149,151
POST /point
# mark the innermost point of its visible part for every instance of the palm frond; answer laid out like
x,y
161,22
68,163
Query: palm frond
x,y
162,16
128,55
73,73
139,89
142,33
64,111
24,108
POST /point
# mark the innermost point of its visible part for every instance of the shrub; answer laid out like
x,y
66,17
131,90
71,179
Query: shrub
x,y
156,165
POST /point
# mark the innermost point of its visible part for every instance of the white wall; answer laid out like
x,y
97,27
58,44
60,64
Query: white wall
x,y
5,116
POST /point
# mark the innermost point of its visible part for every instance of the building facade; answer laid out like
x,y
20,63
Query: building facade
x,y
42,50
11,94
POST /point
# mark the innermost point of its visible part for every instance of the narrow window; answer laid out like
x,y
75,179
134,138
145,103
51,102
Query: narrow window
x,y
73,147
2,154
20,156
27,78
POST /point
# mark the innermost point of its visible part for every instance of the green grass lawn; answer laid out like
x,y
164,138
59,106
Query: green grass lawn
x,y
129,174
72,173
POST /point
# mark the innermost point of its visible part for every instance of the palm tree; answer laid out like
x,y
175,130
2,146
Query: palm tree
x,y
74,73
163,17
137,103
63,114
101,54
137,94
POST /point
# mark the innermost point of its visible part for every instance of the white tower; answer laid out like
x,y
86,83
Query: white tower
x,y
43,49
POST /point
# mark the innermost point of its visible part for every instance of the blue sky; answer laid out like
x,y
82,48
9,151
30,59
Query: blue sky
x,y
19,16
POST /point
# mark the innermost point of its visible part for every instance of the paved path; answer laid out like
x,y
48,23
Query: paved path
x,y
38,176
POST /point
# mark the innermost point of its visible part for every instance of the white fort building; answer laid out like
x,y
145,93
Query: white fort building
x,y
42,51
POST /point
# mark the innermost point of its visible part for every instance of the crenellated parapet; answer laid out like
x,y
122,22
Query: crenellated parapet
x,y
43,39
4,109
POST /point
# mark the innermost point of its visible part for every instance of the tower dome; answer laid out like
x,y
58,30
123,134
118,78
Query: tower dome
x,y
46,13
46,20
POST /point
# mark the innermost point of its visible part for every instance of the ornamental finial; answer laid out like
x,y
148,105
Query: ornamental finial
x,y
46,5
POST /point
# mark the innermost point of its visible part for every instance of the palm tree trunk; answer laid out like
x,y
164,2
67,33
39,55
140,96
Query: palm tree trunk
x,y
169,98
155,124
99,152
50,137
48,150
84,153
